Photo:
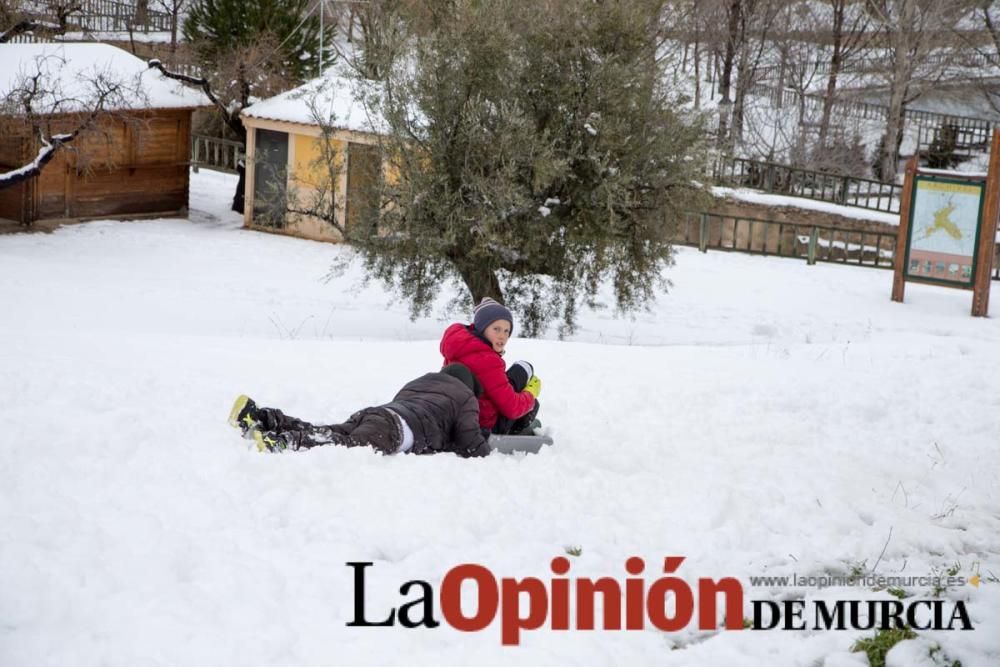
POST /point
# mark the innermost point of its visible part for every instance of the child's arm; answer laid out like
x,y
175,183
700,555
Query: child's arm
x,y
498,390
466,436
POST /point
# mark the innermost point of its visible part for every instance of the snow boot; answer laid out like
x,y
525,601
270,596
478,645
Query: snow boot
x,y
269,441
244,415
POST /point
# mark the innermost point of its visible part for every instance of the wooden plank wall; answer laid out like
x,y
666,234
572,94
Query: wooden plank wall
x,y
13,149
133,166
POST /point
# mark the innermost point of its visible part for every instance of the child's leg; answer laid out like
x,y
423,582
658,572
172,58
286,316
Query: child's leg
x,y
372,426
524,422
273,419
518,376
378,428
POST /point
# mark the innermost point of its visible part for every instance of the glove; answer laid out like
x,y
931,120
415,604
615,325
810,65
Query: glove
x,y
534,386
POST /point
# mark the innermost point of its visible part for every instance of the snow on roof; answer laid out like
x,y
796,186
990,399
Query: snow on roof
x,y
333,99
69,68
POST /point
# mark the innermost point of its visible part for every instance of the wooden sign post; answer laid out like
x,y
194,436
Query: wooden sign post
x,y
947,229
991,209
903,233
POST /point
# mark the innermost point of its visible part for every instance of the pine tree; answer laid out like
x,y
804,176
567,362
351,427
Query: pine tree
x,y
219,28
533,153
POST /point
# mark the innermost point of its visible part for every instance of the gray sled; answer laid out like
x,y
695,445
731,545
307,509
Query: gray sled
x,y
508,444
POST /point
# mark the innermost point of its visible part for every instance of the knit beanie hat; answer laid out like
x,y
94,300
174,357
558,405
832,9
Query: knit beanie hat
x,y
489,311
460,372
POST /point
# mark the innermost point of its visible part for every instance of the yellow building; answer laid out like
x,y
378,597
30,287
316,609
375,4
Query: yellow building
x,y
314,147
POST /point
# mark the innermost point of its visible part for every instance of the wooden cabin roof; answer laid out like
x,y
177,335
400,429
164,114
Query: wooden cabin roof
x,y
332,99
70,69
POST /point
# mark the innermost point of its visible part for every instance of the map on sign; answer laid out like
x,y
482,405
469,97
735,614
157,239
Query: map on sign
x,y
943,230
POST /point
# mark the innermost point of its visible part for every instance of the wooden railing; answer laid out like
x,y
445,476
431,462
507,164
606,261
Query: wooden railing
x,y
30,38
118,16
814,243
821,186
215,153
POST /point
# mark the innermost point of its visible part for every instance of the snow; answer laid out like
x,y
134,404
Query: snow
x,y
333,98
69,69
765,417
44,151
151,37
766,199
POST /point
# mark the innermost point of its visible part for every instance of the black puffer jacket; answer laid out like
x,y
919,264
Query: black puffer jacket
x,y
443,414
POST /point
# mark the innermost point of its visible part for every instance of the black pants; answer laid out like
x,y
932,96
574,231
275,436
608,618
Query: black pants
x,y
375,427
507,426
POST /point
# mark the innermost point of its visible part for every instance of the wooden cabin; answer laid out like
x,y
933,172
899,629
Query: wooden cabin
x,y
132,162
291,163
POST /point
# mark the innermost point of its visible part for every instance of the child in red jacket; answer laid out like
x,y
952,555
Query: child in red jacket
x,y
509,401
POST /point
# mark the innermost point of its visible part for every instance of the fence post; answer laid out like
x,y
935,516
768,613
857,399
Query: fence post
x,y
813,238
844,185
703,233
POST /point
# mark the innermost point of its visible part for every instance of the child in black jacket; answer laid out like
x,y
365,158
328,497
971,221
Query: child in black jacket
x,y
437,412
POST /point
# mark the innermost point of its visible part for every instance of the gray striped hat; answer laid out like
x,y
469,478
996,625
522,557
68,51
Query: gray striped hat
x,y
489,311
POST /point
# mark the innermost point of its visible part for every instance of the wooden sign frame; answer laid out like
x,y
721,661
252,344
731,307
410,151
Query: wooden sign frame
x,y
986,228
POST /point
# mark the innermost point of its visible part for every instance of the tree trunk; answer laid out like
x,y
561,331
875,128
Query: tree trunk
x,y
697,75
743,81
239,197
480,280
728,58
893,135
173,37
835,64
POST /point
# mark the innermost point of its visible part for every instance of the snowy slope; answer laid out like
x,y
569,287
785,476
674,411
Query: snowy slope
x,y
765,418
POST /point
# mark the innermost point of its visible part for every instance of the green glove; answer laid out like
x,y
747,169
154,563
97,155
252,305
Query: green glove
x,y
534,386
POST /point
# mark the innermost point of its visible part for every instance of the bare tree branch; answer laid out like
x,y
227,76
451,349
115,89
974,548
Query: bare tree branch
x,y
25,97
229,116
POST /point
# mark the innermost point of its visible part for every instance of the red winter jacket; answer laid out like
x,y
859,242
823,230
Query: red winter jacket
x,y
461,345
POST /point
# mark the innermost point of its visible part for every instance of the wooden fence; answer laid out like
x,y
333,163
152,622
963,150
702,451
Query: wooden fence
x,y
817,185
214,153
814,243
118,16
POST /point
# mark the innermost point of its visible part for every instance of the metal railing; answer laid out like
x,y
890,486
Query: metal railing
x,y
817,185
950,141
215,153
862,64
980,129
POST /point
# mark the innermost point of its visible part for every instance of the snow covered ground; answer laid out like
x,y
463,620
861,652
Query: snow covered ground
x,y
766,417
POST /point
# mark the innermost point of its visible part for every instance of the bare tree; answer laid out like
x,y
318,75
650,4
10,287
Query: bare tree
x,y
746,26
175,10
248,73
849,34
910,31
765,128
756,20
987,14
40,111
381,28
